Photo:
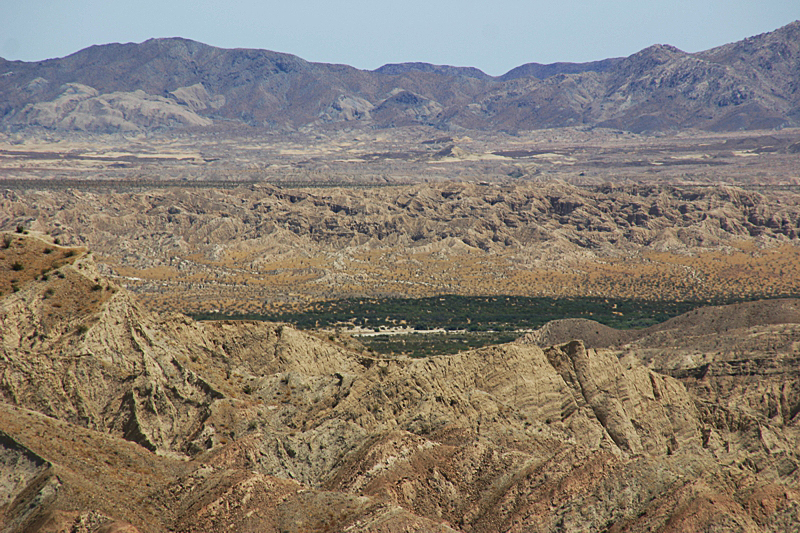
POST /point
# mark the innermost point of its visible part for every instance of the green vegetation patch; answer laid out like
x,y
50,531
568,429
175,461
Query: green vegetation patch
x,y
427,344
471,313
469,321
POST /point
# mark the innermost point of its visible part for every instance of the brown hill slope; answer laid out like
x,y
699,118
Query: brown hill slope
x,y
262,428
681,331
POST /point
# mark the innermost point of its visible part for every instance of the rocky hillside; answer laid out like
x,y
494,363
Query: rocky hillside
x,y
117,420
536,240
488,218
167,83
738,362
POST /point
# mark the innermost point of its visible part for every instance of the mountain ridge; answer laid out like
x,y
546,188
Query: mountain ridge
x,y
751,84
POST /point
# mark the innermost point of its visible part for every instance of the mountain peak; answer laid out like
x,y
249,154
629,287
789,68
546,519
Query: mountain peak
x,y
542,71
660,52
447,70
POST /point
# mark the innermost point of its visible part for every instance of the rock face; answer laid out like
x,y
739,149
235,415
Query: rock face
x,y
738,362
138,422
80,107
104,368
750,84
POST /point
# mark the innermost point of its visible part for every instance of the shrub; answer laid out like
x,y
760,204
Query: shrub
x,y
48,250
69,253
81,329
20,229
97,287
6,241
16,266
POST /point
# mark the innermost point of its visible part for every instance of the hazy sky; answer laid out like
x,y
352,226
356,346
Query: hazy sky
x,y
493,36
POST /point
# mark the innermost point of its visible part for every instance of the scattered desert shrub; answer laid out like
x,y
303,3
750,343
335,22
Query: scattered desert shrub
x,y
16,266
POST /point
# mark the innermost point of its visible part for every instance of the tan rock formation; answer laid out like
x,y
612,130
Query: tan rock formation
x,y
150,423
241,249
80,107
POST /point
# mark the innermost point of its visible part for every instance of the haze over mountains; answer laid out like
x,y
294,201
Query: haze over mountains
x,y
168,83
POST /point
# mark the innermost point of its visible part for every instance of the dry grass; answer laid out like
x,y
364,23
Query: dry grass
x,y
26,257
59,291
741,272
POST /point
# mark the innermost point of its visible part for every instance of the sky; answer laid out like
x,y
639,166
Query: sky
x,y
492,36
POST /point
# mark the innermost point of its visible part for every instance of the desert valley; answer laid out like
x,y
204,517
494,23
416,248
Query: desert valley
x,y
240,291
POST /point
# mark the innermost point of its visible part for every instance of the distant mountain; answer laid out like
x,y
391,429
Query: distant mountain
x,y
538,70
394,69
168,83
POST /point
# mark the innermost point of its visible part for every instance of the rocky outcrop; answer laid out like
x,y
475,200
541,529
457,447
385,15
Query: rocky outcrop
x,y
591,333
105,368
739,364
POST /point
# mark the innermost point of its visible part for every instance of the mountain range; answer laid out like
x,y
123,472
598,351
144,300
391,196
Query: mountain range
x,y
178,83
